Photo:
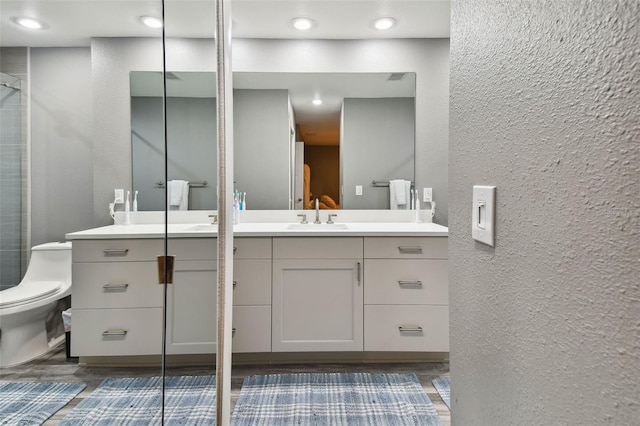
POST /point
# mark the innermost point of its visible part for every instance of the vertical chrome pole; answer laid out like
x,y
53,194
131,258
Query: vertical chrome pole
x,y
224,93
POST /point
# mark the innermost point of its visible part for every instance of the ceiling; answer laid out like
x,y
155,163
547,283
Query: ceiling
x,y
74,23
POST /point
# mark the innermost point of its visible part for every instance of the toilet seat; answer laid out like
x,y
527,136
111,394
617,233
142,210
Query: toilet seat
x,y
20,295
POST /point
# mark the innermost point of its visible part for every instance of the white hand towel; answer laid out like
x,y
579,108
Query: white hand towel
x,y
399,190
398,186
178,194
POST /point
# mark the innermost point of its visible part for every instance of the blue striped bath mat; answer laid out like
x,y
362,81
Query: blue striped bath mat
x,y
33,403
189,400
443,386
334,399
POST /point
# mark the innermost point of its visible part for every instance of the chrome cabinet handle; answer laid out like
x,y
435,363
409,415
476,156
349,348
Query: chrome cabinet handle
x,y
233,331
115,287
235,283
410,284
235,249
410,329
410,249
359,273
114,333
115,252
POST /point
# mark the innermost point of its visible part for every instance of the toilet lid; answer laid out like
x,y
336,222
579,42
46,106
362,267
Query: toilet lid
x,y
32,292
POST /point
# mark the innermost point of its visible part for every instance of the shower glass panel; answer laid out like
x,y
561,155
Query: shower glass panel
x,y
13,183
187,197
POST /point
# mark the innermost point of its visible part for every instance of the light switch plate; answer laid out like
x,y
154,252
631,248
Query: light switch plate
x,y
118,196
484,214
358,189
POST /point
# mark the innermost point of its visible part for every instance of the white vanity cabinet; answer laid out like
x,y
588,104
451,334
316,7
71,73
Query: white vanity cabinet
x,y
317,294
406,294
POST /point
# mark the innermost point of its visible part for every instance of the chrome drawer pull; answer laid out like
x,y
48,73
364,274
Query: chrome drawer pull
x,y
235,249
233,331
235,283
410,329
114,333
115,287
410,284
410,249
115,252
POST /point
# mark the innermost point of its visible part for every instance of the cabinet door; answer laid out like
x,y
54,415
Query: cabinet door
x,y
191,308
317,305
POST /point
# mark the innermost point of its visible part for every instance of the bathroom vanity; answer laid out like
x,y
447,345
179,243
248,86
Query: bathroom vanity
x,y
355,288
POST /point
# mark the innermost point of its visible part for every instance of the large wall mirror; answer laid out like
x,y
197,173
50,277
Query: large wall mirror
x,y
297,137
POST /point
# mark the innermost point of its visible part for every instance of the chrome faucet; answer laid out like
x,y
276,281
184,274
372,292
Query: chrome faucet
x,y
317,212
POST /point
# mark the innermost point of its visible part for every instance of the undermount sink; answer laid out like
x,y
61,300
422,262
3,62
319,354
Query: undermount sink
x,y
317,227
204,227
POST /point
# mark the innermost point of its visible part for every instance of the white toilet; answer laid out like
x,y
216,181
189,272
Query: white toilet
x,y
25,307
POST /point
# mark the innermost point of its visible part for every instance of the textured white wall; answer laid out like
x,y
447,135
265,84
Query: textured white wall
x,y
545,327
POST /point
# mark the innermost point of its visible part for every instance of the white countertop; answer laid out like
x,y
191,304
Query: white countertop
x,y
277,229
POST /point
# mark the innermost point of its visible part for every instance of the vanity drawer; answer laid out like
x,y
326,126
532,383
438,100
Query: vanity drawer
x,y
117,250
408,282
192,248
391,328
252,282
252,248
106,332
108,285
252,329
405,247
317,248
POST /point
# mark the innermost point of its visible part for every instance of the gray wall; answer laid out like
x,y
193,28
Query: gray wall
x,y
378,139
108,102
544,104
112,59
61,142
13,166
191,146
261,147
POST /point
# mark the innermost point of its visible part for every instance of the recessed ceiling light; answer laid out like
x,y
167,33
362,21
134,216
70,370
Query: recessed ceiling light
x,y
151,21
31,23
384,23
302,24
317,101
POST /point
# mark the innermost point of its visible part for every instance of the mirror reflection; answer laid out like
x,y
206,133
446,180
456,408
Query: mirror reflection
x,y
298,137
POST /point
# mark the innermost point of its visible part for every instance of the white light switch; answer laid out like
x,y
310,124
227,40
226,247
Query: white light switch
x,y
484,214
358,189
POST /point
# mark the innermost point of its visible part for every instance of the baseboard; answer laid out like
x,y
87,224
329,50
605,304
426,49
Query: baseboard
x,y
266,358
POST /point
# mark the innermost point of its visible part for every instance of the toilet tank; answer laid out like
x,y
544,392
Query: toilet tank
x,y
50,262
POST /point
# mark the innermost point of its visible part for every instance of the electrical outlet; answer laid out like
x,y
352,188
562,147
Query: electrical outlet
x,y
358,189
427,195
118,196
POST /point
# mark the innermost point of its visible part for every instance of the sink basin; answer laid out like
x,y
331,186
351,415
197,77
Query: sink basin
x,y
317,227
204,227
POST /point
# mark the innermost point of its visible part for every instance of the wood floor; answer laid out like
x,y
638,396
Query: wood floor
x,y
54,367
